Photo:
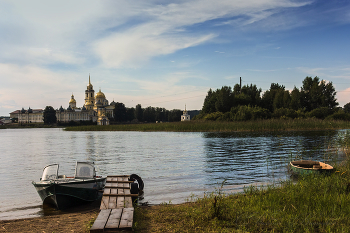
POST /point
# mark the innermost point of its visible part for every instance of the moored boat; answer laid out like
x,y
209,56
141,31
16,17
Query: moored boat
x,y
64,192
302,167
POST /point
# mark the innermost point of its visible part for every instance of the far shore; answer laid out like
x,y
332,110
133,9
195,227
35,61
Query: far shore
x,y
220,126
204,126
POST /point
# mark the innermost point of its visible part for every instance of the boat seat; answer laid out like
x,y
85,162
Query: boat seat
x,y
85,172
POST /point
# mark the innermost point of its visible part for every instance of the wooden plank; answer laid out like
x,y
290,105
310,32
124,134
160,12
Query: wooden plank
x,y
109,179
122,181
112,204
113,187
105,199
118,176
120,195
114,219
127,218
100,221
128,199
120,198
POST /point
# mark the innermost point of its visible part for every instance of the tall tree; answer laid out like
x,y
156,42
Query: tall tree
x,y
347,108
149,114
139,113
160,114
49,115
174,115
119,112
209,102
295,101
130,114
268,99
223,101
253,92
317,94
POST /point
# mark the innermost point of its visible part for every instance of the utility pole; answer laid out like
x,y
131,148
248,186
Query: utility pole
x,y
240,85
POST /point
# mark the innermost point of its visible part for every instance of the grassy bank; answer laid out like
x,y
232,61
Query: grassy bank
x,y
216,126
28,125
312,204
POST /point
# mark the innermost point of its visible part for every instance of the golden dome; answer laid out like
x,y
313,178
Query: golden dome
x,y
100,95
89,104
72,100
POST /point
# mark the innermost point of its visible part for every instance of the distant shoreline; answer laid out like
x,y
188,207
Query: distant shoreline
x,y
206,126
218,126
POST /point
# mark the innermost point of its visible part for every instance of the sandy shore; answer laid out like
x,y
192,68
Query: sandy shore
x,y
68,222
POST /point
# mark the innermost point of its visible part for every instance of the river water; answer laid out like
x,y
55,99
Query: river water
x,y
173,165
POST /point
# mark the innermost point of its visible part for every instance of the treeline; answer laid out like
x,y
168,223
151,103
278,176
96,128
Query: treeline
x,y
149,114
316,98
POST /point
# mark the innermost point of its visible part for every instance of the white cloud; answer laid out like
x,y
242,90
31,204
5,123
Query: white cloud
x,y
165,31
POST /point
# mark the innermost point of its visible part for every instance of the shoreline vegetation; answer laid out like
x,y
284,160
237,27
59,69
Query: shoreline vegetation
x,y
222,126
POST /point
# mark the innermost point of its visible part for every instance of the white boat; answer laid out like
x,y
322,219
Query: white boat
x,y
64,192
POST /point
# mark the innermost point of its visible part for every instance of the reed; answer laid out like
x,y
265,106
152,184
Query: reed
x,y
218,126
314,203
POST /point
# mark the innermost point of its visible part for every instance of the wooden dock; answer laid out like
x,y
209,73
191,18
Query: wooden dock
x,y
117,212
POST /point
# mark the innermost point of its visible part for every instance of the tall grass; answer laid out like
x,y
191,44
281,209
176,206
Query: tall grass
x,y
217,126
314,203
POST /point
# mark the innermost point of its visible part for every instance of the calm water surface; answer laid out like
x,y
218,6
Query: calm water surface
x,y
173,165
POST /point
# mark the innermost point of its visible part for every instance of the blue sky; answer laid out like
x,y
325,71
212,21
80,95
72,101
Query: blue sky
x,y
166,53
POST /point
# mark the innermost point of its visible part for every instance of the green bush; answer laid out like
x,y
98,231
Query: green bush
x,y
320,113
340,115
213,116
285,113
227,116
245,113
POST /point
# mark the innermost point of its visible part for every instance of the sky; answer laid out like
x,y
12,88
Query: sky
x,y
166,53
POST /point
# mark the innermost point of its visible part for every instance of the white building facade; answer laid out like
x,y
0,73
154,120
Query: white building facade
x,y
95,108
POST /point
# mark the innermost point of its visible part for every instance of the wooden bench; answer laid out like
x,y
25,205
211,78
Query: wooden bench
x,y
117,211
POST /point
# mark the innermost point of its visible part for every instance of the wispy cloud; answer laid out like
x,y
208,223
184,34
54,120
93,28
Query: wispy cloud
x,y
166,30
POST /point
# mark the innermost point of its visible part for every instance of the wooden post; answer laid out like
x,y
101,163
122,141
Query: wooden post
x,y
240,85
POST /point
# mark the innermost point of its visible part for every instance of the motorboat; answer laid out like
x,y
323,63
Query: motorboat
x,y
64,192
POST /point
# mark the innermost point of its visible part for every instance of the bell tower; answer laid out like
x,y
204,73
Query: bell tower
x,y
89,96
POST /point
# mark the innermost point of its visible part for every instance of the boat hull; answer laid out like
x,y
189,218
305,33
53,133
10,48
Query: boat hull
x,y
307,167
64,195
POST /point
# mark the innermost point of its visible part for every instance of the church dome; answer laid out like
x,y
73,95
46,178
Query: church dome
x,y
98,103
72,100
100,95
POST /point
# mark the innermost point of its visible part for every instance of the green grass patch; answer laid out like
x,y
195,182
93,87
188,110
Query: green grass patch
x,y
218,126
313,204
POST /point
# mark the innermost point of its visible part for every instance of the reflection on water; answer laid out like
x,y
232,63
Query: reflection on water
x,y
173,165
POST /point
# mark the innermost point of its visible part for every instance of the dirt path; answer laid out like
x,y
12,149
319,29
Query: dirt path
x,y
69,222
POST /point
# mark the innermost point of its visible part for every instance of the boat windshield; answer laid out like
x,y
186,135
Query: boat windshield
x,y
50,172
84,170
